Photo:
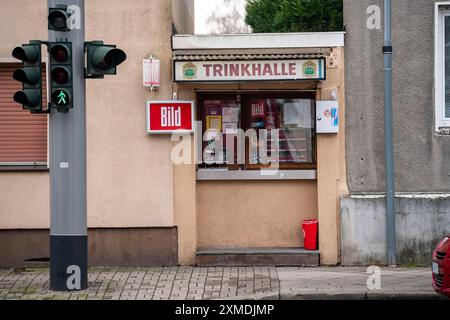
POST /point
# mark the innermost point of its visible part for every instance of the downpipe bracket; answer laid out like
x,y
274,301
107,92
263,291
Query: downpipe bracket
x,y
387,49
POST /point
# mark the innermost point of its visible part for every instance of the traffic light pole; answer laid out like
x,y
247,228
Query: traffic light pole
x,y
68,217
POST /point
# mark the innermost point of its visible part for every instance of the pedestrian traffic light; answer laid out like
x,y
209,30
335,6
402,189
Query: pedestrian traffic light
x,y
58,18
102,59
30,75
61,76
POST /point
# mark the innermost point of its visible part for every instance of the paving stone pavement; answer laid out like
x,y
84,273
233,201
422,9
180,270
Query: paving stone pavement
x,y
195,283
354,283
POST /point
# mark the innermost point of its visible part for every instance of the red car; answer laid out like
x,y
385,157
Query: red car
x,y
441,267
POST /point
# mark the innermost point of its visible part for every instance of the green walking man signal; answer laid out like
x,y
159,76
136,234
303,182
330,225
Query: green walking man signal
x,y
62,98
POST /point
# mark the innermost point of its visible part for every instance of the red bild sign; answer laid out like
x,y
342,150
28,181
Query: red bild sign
x,y
170,116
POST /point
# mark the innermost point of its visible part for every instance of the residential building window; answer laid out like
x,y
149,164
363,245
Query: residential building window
x,y
264,129
23,136
442,65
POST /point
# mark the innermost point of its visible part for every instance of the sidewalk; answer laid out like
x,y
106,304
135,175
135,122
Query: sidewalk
x,y
180,283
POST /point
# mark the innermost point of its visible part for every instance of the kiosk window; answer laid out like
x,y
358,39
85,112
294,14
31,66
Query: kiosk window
x,y
292,120
253,131
221,118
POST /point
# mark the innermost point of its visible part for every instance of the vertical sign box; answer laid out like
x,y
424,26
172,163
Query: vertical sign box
x,y
151,73
327,116
166,117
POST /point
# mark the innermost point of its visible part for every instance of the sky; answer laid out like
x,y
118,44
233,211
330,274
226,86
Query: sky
x,y
205,8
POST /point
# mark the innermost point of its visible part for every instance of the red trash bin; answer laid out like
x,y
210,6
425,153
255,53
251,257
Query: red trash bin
x,y
310,228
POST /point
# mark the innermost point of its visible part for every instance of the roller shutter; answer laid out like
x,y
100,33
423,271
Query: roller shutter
x,y
23,136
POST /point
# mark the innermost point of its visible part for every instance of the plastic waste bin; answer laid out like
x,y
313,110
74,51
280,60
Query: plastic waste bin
x,y
310,228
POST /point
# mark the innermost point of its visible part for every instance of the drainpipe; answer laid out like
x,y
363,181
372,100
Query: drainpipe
x,y
388,136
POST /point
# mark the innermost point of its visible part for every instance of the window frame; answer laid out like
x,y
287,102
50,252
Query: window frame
x,y
442,10
245,97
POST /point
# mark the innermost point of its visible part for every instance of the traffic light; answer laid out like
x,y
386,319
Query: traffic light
x,y
58,18
61,76
102,59
30,75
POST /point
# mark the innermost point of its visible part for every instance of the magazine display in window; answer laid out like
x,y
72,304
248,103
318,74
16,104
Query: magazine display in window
x,y
288,138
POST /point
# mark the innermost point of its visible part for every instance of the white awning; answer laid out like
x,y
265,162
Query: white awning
x,y
259,41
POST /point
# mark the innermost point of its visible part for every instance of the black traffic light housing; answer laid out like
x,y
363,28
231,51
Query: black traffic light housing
x,y
102,59
58,19
30,75
61,76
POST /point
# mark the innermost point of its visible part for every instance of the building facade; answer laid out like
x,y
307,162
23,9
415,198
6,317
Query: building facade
x,y
421,135
135,207
233,208
144,208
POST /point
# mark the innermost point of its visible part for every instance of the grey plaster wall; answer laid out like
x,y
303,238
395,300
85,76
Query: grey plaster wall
x,y
421,221
422,158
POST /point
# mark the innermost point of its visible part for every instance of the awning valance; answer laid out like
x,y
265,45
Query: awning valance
x,y
245,57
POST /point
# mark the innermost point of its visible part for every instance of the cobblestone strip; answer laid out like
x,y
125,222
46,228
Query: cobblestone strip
x,y
174,283
213,283
39,288
5,283
229,282
5,273
105,277
133,284
101,281
262,283
165,283
150,283
180,286
245,281
117,284
17,285
33,284
197,282
93,291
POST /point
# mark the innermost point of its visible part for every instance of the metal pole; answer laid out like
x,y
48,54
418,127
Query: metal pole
x,y
68,219
389,141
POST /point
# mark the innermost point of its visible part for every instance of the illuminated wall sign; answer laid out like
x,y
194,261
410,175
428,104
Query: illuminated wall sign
x,y
261,70
151,73
170,117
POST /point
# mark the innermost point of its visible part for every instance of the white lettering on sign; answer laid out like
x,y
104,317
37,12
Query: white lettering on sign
x,y
170,117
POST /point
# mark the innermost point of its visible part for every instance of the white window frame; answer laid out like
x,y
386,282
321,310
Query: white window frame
x,y
441,10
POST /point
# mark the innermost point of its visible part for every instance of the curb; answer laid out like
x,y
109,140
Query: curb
x,y
338,296
324,296
362,296
405,296
256,296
